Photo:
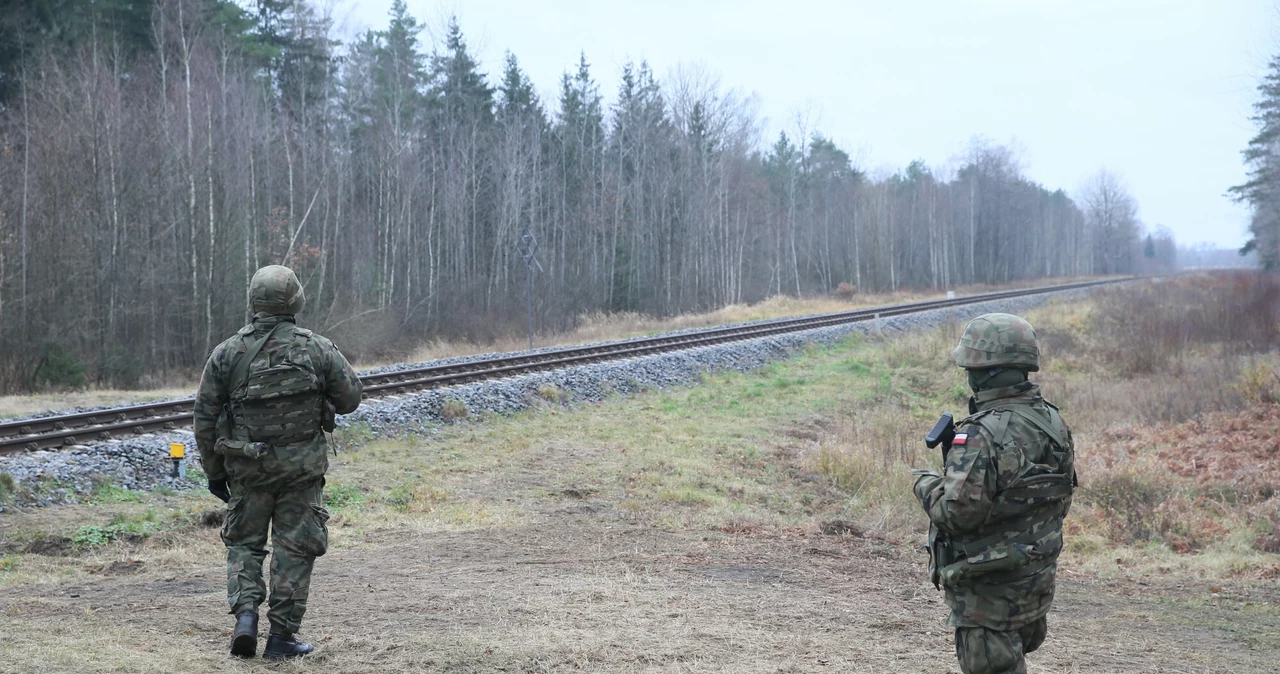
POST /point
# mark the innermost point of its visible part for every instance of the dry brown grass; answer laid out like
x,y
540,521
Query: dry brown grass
x,y
869,447
1171,389
594,327
1171,429
23,405
1163,352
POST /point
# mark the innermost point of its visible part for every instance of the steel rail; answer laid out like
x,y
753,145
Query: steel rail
x,y
100,425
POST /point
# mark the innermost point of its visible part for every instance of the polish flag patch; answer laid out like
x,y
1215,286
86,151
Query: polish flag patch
x,y
960,439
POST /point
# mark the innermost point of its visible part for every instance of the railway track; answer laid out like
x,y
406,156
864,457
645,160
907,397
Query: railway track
x,y
102,425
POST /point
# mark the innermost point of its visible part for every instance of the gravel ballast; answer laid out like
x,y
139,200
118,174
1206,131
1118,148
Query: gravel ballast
x,y
142,463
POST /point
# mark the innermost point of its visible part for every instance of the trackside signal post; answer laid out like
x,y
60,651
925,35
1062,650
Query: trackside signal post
x,y
178,455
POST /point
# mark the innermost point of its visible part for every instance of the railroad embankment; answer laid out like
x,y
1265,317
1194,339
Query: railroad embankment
x,y
417,397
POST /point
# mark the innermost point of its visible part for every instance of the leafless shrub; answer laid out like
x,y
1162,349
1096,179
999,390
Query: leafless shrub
x,y
1260,382
1098,401
454,409
551,393
1153,327
1131,500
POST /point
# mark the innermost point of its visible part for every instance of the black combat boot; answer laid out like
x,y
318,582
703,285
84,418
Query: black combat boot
x,y
285,646
244,642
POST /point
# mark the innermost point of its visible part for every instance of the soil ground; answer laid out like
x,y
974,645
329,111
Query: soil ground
x,y
576,587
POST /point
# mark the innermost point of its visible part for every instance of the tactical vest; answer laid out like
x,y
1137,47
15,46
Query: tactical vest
x,y
1023,532
276,403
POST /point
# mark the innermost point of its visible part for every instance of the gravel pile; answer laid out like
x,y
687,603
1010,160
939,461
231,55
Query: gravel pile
x,y
57,476
142,463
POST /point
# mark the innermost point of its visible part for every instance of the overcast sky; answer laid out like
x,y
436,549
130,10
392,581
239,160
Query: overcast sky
x,y
1156,91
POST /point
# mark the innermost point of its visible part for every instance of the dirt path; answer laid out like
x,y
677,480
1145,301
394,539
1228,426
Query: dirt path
x,y
580,589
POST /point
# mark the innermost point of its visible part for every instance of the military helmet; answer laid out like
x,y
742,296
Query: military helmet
x,y
275,290
998,340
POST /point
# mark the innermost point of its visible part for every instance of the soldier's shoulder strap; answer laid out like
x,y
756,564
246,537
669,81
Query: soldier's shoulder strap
x,y
305,338
1055,418
241,367
316,347
994,421
1044,426
973,418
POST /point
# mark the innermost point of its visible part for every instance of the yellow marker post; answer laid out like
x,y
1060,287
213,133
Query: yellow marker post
x,y
178,454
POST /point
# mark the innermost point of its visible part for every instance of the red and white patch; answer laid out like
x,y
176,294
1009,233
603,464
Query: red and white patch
x,y
960,439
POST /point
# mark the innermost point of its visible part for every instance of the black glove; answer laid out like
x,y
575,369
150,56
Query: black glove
x,y
219,488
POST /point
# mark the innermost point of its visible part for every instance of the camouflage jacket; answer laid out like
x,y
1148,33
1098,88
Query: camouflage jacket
x,y
281,465
998,509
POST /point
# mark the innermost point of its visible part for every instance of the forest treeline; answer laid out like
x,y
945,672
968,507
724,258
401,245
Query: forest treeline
x,y
155,153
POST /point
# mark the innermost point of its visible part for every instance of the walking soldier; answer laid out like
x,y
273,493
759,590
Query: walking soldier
x,y
266,397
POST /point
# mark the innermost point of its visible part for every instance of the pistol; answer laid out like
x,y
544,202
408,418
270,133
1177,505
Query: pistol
x,y
942,433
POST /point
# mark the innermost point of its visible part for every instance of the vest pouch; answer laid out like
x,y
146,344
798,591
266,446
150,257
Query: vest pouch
x,y
279,381
996,559
281,467
280,404
253,450
329,420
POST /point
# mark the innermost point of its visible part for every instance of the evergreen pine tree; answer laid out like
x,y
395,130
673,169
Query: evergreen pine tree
x,y
1262,190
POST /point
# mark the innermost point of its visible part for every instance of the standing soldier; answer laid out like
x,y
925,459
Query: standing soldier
x,y
265,398
996,514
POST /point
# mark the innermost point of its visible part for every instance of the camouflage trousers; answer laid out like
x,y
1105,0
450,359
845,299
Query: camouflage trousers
x,y
296,520
984,651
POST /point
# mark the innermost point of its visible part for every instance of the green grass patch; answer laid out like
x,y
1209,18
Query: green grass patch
x,y
8,487
123,526
340,497
351,437
110,493
196,474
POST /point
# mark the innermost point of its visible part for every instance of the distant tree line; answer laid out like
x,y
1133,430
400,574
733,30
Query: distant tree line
x,y
156,152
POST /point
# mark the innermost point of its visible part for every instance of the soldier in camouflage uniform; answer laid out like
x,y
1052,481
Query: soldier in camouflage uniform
x,y
266,397
996,514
